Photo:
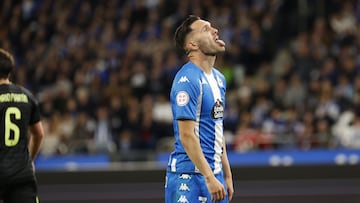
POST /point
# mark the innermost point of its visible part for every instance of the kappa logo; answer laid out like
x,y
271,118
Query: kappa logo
x,y
184,187
183,79
185,176
183,199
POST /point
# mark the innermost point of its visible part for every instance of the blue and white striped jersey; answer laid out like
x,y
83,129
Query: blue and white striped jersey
x,y
198,96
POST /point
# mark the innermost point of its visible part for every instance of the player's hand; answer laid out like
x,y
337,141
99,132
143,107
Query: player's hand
x,y
230,187
215,188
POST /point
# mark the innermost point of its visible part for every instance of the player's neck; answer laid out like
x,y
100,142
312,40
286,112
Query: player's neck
x,y
4,81
206,63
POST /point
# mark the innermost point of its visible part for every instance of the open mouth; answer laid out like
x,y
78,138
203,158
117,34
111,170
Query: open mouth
x,y
219,42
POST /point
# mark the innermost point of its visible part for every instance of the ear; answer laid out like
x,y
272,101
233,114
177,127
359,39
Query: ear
x,y
192,46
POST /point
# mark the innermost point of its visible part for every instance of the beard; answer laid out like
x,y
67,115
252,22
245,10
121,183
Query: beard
x,y
209,53
211,49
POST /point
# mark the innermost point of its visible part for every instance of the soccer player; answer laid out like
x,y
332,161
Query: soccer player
x,y
198,168
19,113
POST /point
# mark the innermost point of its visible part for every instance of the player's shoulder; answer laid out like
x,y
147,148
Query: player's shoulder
x,y
219,76
189,67
21,89
218,73
188,72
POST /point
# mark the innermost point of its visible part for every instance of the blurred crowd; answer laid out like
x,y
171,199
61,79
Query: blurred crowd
x,y
102,71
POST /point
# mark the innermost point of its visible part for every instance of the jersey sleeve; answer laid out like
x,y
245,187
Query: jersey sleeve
x,y
35,113
185,95
35,108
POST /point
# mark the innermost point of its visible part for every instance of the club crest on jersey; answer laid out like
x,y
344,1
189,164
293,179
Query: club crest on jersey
x,y
217,110
182,98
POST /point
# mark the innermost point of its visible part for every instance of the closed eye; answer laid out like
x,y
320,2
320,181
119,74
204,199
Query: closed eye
x,y
206,27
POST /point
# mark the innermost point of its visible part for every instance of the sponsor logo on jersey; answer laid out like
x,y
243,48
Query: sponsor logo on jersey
x,y
182,98
217,110
183,79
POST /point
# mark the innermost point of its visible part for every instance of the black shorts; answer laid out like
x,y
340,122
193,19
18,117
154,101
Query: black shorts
x,y
19,193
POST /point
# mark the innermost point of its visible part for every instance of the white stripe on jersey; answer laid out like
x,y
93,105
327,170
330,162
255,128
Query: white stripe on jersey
x,y
218,126
198,112
173,165
197,123
218,147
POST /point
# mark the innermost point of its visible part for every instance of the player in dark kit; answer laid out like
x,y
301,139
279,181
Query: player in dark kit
x,y
19,112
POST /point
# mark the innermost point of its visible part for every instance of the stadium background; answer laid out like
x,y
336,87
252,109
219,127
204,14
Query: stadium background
x,y
102,71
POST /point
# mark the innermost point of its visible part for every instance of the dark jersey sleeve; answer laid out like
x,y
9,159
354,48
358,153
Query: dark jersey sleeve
x,y
35,108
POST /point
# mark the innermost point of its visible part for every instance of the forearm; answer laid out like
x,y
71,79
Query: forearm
x,y
227,172
226,165
34,146
225,162
192,147
36,139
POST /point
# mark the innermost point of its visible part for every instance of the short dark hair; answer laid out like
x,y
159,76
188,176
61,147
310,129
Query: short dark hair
x,y
183,30
6,63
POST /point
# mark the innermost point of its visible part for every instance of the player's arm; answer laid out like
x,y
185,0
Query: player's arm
x,y
36,137
192,147
227,171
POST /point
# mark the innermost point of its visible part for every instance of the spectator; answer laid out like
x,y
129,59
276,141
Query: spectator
x,y
295,93
322,135
103,138
82,134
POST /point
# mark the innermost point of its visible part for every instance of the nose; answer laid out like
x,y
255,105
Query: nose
x,y
216,30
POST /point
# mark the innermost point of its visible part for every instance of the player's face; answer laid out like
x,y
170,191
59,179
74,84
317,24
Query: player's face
x,y
207,38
